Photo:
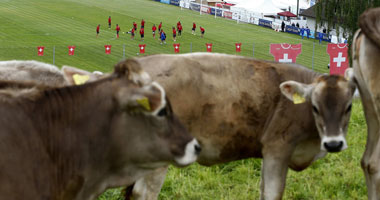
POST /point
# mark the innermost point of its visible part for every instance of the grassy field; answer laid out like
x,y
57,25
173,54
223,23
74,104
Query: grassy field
x,y
55,24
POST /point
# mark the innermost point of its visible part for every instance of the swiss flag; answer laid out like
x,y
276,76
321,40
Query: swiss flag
x,y
338,58
209,47
142,48
40,50
71,50
176,48
238,47
108,49
285,53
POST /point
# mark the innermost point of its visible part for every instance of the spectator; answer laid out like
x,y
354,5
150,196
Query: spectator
x,y
142,23
298,25
302,31
324,30
142,34
320,37
283,26
117,30
293,24
159,28
163,37
307,32
174,33
109,22
193,29
154,28
97,30
180,30
135,26
202,31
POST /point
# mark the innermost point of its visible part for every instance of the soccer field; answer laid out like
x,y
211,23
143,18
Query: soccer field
x,y
55,24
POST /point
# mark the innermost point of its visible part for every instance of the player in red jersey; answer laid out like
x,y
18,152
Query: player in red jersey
x,y
109,22
142,34
117,30
180,30
174,34
142,23
154,28
202,31
97,30
134,26
132,33
159,28
193,29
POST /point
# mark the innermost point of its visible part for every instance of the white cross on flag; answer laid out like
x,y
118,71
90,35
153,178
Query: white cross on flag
x,y
176,47
338,58
40,50
108,49
142,48
71,50
286,53
209,47
238,47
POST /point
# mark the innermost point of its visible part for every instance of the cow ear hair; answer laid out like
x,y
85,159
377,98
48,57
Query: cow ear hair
x,y
75,76
131,69
148,99
295,91
350,76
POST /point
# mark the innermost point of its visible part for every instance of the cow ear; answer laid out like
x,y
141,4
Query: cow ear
x,y
131,69
350,77
148,99
296,92
75,76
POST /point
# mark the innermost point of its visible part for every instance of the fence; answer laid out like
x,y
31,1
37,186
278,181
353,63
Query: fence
x,y
93,57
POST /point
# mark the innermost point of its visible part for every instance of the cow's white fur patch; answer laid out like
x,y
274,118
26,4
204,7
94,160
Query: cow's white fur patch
x,y
190,155
340,138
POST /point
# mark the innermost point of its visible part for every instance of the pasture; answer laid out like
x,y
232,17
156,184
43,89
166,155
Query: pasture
x,y
52,23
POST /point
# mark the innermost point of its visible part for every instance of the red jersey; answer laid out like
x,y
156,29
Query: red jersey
x,y
142,23
141,31
202,29
194,26
285,53
117,28
180,27
338,58
109,20
97,28
133,30
154,28
159,26
174,31
135,25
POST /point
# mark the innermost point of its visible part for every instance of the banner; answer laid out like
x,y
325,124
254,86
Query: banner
x,y
206,9
194,6
71,50
209,47
174,2
40,50
142,48
108,49
219,12
338,58
265,23
292,29
227,14
285,53
176,47
165,1
238,47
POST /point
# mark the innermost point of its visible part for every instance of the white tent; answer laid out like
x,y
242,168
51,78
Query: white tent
x,y
265,7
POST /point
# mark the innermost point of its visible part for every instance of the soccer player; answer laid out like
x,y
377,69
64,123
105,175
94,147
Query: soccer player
x,y
135,26
202,31
193,29
174,34
142,34
163,37
142,23
178,24
180,30
132,33
159,28
154,28
109,22
97,30
117,30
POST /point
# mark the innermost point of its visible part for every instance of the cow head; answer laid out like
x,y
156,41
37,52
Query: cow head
x,y
155,135
330,100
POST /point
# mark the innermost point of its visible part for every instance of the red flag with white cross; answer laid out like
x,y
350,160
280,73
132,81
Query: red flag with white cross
x,y
338,58
285,53
238,47
209,47
176,48
108,49
40,50
142,48
71,50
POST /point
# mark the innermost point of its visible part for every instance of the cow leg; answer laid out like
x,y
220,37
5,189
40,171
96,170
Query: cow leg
x,y
148,187
274,171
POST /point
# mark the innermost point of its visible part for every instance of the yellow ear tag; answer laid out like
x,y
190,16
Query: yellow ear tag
x,y
144,102
80,79
298,99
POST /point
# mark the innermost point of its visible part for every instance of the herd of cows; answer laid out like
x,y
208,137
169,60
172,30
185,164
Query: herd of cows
x,y
71,134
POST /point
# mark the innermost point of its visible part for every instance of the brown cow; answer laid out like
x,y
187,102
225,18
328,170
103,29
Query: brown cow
x,y
240,108
366,61
74,142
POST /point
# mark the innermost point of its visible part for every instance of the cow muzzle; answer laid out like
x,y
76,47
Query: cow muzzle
x,y
192,150
333,144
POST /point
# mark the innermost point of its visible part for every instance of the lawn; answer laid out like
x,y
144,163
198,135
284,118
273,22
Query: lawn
x,y
55,24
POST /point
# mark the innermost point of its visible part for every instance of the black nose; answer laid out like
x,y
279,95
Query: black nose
x,y
198,149
333,146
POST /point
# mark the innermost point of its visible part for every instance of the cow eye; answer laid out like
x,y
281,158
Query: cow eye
x,y
162,112
315,110
349,108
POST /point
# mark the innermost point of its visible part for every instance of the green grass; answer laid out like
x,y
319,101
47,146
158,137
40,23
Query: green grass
x,y
27,24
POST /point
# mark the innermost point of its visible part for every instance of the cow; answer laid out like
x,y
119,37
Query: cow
x,y
73,142
365,61
240,107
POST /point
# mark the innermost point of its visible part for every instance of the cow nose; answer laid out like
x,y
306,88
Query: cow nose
x,y
198,149
333,146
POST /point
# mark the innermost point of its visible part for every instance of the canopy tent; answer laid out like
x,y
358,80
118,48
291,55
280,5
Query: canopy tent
x,y
265,7
286,14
